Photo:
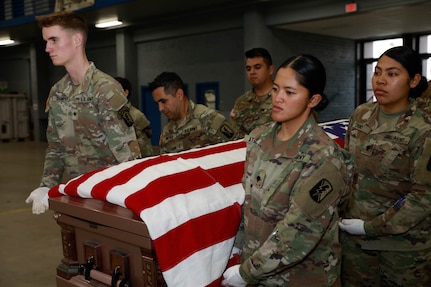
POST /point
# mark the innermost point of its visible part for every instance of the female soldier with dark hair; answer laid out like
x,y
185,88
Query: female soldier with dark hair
x,y
295,179
388,231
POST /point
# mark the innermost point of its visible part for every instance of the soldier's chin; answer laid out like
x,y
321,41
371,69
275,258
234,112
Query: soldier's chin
x,y
55,63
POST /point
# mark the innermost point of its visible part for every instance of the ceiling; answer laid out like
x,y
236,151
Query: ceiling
x,y
132,13
373,24
356,26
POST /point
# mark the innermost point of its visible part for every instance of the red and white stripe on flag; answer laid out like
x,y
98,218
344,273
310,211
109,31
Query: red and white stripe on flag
x,y
190,201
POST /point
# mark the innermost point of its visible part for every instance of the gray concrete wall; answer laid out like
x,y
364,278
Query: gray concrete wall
x,y
338,57
217,56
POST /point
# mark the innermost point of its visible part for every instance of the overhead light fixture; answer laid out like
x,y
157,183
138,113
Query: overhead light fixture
x,y
107,24
4,42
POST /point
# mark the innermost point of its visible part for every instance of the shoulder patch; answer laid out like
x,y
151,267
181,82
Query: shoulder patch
x,y
117,101
227,130
321,190
124,113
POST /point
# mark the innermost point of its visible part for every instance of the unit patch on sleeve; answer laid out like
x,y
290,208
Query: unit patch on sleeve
x,y
124,113
321,190
227,131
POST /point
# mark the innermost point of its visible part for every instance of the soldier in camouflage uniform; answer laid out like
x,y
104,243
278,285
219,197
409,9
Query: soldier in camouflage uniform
x,y
253,108
190,125
85,128
139,121
388,223
296,178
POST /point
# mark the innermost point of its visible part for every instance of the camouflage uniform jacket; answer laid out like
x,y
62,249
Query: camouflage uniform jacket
x,y
424,103
200,127
251,111
142,129
84,130
392,193
293,192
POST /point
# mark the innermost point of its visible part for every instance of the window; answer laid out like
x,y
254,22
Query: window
x,y
425,51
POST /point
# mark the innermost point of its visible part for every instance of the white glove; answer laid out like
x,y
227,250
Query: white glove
x,y
353,226
232,278
39,197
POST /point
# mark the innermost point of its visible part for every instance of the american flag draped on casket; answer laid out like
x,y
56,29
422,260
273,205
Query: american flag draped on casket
x,y
190,201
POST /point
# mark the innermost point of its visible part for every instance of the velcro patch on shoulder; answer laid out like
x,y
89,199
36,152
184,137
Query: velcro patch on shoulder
x,y
320,190
117,101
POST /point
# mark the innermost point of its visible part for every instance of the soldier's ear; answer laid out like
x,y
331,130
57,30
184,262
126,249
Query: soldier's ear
x,y
271,69
179,93
78,39
415,81
314,100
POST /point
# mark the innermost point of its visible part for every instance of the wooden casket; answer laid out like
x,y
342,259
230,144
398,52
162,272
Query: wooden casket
x,y
184,207
103,245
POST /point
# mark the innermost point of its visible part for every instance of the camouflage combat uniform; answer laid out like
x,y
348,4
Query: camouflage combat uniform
x,y
293,192
427,93
84,130
200,127
392,195
251,111
142,129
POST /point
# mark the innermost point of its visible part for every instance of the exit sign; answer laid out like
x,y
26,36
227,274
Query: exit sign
x,y
351,7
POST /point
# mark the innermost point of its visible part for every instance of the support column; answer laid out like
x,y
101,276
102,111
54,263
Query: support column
x,y
256,33
127,62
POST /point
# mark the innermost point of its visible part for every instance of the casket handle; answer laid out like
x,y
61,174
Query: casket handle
x,y
116,274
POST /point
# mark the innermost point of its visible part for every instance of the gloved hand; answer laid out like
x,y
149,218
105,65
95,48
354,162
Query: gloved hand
x,y
353,226
232,278
39,197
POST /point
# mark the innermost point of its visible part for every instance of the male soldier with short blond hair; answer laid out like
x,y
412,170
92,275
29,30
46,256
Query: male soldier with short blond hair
x,y
86,129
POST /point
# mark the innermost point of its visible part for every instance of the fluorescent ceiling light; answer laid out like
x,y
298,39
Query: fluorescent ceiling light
x,y
6,42
107,24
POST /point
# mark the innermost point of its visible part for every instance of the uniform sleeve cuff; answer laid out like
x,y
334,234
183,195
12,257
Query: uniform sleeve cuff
x,y
245,272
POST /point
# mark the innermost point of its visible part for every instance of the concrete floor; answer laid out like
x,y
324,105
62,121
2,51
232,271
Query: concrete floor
x,y
30,245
